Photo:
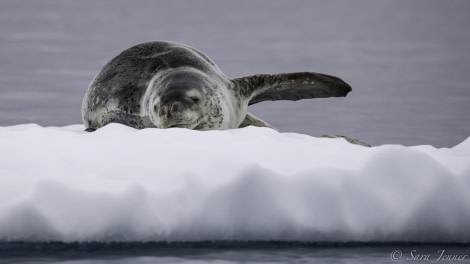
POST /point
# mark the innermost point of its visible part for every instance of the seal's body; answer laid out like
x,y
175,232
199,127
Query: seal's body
x,y
165,84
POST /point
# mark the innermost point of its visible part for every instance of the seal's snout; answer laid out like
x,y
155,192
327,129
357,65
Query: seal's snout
x,y
177,114
175,107
171,108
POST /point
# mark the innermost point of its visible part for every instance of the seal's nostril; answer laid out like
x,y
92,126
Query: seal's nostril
x,y
164,110
175,107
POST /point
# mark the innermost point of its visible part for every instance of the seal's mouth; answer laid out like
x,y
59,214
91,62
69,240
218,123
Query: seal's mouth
x,y
189,125
181,126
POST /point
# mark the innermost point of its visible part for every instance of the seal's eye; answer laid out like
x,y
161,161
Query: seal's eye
x,y
195,99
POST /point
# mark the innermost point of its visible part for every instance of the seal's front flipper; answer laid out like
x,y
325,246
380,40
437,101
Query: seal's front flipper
x,y
290,86
117,116
251,120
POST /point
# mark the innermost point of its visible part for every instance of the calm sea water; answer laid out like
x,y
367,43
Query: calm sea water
x,y
227,252
407,61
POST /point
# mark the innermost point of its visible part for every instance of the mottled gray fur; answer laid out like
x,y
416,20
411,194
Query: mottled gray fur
x,y
165,84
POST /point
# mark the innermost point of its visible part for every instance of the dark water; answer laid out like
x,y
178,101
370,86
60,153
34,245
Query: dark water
x,y
407,61
233,252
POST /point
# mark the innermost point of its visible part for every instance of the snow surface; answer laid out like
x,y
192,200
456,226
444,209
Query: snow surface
x,y
122,184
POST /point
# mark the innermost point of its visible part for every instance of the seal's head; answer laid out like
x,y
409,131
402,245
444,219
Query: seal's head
x,y
178,106
181,100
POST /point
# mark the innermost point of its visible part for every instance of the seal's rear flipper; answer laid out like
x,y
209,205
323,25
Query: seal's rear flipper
x,y
251,120
350,140
290,86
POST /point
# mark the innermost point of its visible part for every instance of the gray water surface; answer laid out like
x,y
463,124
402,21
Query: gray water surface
x,y
266,252
407,61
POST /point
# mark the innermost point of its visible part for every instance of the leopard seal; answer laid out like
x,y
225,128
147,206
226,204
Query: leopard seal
x,y
165,84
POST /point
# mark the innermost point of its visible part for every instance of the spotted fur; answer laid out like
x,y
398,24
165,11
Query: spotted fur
x,y
165,84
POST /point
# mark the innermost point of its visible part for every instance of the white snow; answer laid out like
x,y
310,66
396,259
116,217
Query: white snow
x,y
122,184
